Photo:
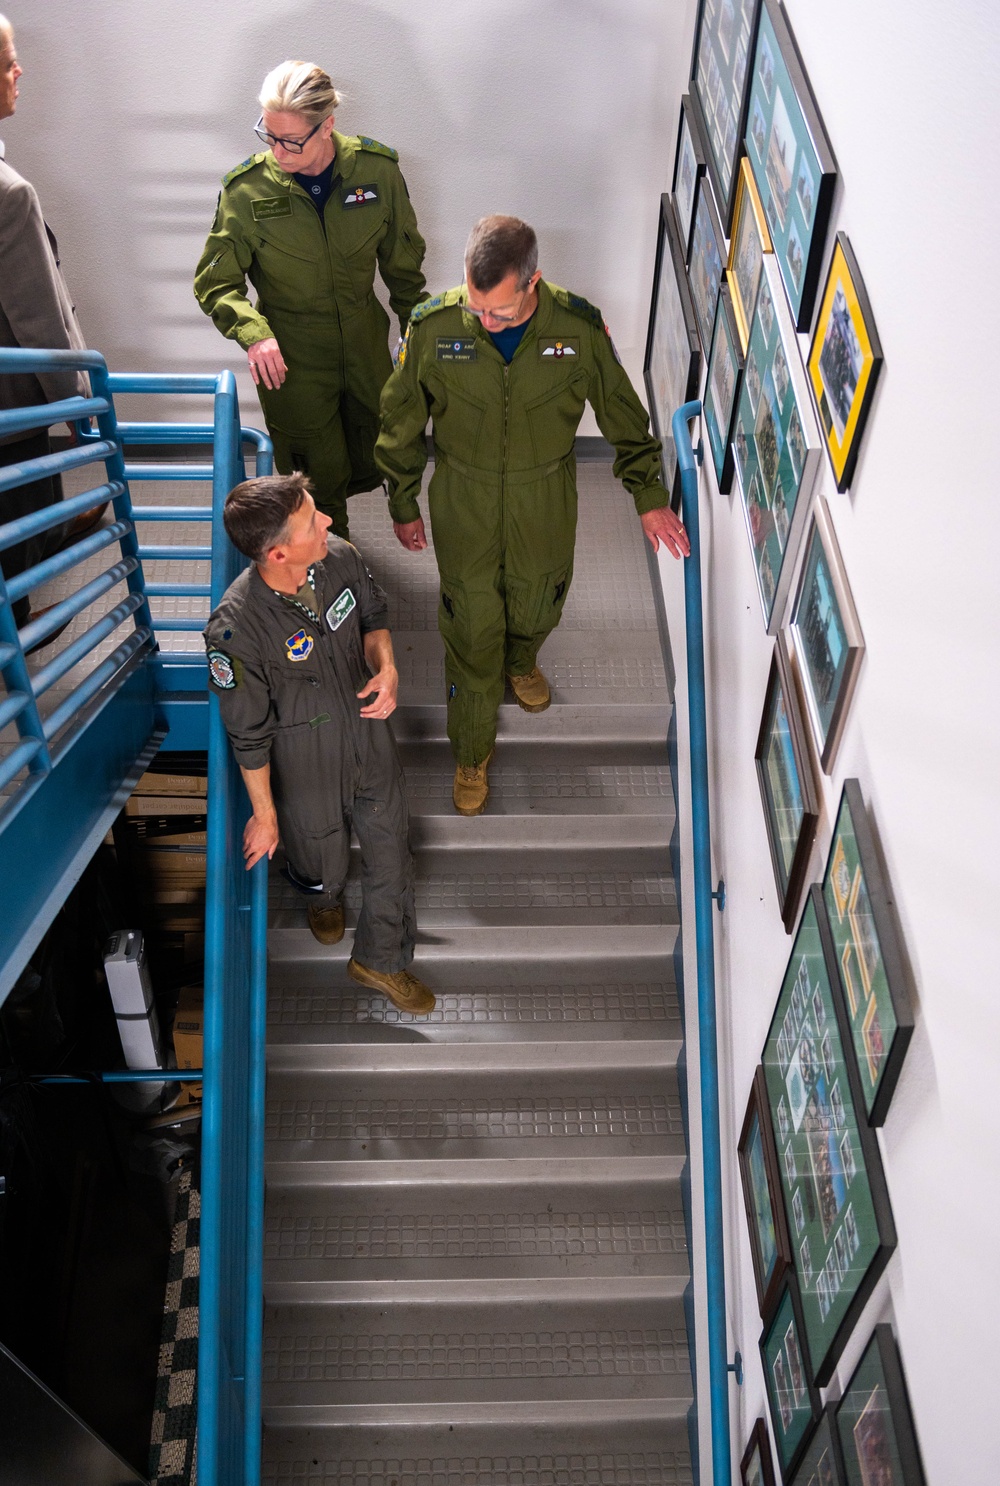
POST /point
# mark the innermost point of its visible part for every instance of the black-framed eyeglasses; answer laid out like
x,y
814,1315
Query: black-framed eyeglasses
x,y
293,146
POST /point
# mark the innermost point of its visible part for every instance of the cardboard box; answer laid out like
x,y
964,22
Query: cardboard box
x,y
165,805
172,784
189,1030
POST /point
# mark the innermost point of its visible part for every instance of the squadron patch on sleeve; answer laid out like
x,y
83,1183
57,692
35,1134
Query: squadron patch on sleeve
x,y
358,195
222,670
340,608
299,645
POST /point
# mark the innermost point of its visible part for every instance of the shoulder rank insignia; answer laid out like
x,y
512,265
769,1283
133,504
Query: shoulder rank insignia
x,y
568,346
461,349
374,148
222,670
360,194
299,645
425,307
577,305
340,608
239,169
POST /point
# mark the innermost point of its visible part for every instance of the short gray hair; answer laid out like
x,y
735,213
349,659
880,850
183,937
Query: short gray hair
x,y
257,512
6,31
498,246
299,88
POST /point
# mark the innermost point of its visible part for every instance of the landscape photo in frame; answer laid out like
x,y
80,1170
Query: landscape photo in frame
x,y
787,785
706,262
689,167
844,361
770,1247
722,387
673,351
720,73
749,242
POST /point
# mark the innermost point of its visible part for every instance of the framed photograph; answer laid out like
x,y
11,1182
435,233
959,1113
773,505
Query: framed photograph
x,y
757,1467
791,1394
778,446
826,635
673,352
831,1172
792,161
706,261
844,360
720,74
689,167
787,785
722,387
821,1463
749,242
770,1246
868,955
874,1421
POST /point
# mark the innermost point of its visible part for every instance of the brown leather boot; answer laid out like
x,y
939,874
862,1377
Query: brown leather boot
x,y
531,691
471,789
326,922
403,989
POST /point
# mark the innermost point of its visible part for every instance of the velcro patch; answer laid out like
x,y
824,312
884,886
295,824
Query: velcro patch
x,y
340,608
460,349
556,349
358,195
222,670
271,206
299,645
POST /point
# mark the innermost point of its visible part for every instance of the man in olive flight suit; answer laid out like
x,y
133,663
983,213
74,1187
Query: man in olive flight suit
x,y
313,267
300,659
504,366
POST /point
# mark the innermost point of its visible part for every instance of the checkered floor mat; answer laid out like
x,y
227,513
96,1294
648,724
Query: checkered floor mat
x,y
173,1449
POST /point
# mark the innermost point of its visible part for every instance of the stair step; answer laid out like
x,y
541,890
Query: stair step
x,y
642,722
470,951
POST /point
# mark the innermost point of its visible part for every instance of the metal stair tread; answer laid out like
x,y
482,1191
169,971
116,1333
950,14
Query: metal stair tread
x,y
568,1060
442,1294
567,1413
597,722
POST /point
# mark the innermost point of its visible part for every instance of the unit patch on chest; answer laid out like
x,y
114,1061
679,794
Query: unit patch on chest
x,y
299,645
358,195
340,608
271,206
460,349
568,346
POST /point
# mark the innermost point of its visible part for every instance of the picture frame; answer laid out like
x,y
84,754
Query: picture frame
x,y
706,261
826,635
749,242
844,360
672,365
792,159
757,1464
770,1245
830,1168
821,1463
720,75
792,1396
777,445
874,1421
722,389
787,785
868,954
689,167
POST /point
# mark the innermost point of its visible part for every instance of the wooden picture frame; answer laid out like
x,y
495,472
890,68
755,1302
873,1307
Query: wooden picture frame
x,y
844,360
792,1396
722,389
770,1245
874,1421
749,241
757,1465
868,952
672,365
787,785
720,75
689,167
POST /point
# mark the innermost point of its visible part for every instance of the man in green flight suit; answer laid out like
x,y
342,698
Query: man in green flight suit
x,y
504,366
308,222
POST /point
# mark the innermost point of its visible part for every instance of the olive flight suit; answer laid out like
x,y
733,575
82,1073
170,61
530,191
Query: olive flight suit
x,y
503,494
287,679
315,294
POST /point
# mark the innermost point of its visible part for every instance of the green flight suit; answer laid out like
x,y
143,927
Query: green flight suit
x,y
503,494
315,294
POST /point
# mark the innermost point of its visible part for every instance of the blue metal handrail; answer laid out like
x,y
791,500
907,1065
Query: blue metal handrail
x,y
708,1055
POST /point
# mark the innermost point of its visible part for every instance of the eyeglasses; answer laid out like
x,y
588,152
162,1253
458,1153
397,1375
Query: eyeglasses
x,y
500,319
293,146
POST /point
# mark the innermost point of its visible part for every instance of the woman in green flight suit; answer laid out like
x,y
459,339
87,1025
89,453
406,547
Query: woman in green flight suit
x,y
307,223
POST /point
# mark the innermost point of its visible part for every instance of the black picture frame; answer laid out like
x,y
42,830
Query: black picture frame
x,y
689,167
706,261
724,44
722,389
770,1244
874,1421
757,1464
821,1463
844,360
792,1396
832,1181
868,952
788,789
672,363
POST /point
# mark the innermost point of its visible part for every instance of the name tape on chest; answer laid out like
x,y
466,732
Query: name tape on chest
x,y
299,645
460,349
271,206
340,608
554,350
359,195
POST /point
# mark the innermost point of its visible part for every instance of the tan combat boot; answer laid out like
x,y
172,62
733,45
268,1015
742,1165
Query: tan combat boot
x,y
326,923
471,789
532,691
403,989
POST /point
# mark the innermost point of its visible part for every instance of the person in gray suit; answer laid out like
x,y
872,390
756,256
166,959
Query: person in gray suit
x,y
35,310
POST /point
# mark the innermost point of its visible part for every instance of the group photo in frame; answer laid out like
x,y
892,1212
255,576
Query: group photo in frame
x,y
821,1463
844,361
672,366
788,787
826,635
868,952
792,1397
689,167
777,446
720,70
722,388
839,1217
770,1246
793,162
757,1465
749,242
874,1420
706,261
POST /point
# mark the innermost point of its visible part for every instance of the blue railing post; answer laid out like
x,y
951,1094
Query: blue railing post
x,y
708,1054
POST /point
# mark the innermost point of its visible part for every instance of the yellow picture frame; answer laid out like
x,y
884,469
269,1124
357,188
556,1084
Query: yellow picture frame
x,y
749,241
844,361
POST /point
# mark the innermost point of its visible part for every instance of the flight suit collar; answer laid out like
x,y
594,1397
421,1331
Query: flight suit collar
x,y
536,325
344,162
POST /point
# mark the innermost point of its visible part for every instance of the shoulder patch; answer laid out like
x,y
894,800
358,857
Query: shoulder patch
x,y
447,300
374,148
224,671
250,161
577,305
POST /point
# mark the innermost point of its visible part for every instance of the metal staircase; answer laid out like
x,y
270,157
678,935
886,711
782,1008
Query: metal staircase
x,y
476,1259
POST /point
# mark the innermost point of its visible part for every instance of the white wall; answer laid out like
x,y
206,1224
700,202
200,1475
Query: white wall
x,y
560,111
908,96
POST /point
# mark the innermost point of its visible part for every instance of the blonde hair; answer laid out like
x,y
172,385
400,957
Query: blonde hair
x,y
6,31
299,88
